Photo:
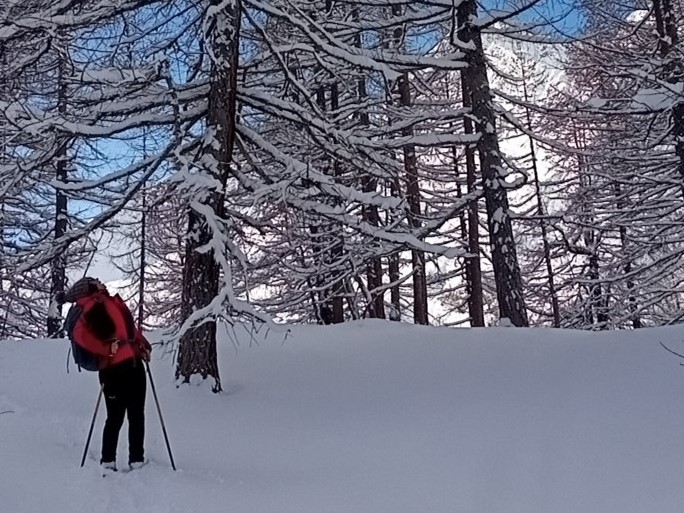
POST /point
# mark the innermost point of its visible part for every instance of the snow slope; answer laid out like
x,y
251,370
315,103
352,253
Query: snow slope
x,y
370,417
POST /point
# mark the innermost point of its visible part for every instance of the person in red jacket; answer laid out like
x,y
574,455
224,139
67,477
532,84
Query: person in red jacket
x,y
109,332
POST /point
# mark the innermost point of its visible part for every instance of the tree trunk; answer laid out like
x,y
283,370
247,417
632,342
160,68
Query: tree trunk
x,y
541,213
143,261
331,307
596,298
197,349
666,28
197,352
668,38
473,268
4,91
597,314
420,300
678,132
338,244
376,306
393,269
509,288
627,267
395,291
594,313
58,264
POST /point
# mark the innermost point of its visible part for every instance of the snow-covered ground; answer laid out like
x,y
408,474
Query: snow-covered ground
x,y
370,417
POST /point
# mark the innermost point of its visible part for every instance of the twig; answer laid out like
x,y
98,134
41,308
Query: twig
x,y
6,411
673,352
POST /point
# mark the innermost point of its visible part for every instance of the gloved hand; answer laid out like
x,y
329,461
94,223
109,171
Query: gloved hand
x,y
144,347
145,353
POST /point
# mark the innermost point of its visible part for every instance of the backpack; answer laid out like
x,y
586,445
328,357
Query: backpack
x,y
98,321
83,358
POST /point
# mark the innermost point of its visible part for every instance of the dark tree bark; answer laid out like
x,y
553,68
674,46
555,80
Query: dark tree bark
x,y
541,212
393,272
594,312
376,306
4,91
420,300
329,248
393,268
509,288
395,291
668,38
58,264
597,315
624,243
666,26
473,268
197,352
678,132
338,244
143,261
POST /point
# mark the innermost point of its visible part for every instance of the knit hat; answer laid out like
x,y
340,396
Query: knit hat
x,y
83,287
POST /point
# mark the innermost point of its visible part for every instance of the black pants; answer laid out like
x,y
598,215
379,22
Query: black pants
x,y
124,391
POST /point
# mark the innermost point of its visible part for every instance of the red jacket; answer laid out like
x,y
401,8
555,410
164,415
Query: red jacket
x,y
131,340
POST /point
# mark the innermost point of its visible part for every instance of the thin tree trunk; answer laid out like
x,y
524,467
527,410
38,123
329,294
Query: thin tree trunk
x,y
509,288
58,264
393,269
668,38
324,308
376,306
473,267
420,300
595,313
374,268
395,291
463,225
678,132
338,287
331,308
332,288
394,259
4,91
197,351
542,214
624,243
143,261
420,303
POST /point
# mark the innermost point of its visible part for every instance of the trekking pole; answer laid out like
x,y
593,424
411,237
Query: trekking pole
x,y
161,419
92,425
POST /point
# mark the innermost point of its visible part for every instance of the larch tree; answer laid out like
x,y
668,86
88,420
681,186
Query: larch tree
x,y
507,274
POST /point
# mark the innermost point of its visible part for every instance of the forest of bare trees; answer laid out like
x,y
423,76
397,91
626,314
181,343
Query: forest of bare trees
x,y
320,161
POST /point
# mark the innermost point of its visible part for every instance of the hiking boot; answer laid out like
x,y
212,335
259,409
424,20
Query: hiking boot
x,y
135,465
108,467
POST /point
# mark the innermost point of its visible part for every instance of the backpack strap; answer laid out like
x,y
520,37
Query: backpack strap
x,y
123,317
83,336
